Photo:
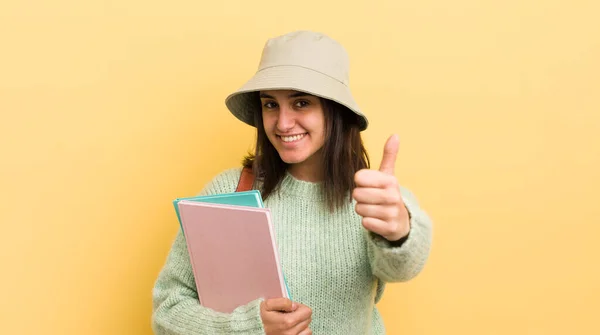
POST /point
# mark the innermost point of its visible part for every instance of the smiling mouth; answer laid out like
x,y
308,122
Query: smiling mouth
x,y
293,138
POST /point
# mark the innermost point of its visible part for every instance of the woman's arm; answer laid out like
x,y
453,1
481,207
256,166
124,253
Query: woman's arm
x,y
404,259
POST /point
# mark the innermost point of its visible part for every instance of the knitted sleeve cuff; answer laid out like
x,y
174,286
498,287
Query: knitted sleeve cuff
x,y
188,317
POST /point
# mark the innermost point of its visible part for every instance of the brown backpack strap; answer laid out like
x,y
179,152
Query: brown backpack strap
x,y
246,180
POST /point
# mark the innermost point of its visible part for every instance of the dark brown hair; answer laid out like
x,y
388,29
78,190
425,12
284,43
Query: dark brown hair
x,y
343,154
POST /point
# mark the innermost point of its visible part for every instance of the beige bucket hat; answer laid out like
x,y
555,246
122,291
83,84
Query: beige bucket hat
x,y
304,61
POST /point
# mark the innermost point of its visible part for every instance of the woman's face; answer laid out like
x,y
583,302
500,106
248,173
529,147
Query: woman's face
x,y
295,124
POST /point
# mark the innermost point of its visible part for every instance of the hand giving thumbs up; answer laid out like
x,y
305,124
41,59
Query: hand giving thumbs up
x,y
378,198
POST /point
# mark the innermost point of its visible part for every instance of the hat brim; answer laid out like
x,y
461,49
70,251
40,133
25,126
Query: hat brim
x,y
242,106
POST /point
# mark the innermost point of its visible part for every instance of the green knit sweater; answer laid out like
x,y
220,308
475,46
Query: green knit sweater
x,y
331,264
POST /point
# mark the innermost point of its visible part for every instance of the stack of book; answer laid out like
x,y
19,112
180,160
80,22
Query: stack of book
x,y
232,248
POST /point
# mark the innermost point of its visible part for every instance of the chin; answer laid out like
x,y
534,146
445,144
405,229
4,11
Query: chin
x,y
292,159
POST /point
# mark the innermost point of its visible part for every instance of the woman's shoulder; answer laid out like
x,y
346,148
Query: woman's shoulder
x,y
224,182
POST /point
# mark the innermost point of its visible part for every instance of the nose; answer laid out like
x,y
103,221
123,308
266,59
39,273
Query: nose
x,y
285,119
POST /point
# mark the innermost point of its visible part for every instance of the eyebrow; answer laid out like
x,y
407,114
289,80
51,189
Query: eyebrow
x,y
293,95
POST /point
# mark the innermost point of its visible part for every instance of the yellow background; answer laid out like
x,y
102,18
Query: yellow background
x,y
110,109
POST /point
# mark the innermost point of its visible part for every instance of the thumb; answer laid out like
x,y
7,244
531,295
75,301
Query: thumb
x,y
390,151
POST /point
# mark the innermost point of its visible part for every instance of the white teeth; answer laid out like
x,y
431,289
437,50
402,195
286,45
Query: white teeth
x,y
292,138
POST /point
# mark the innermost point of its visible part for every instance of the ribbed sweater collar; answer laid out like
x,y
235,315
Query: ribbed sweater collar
x,y
299,188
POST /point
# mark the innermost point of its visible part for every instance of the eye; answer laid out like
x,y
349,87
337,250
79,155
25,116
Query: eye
x,y
270,105
301,103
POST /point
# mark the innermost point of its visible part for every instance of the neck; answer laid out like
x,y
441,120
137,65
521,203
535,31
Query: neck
x,y
310,170
305,174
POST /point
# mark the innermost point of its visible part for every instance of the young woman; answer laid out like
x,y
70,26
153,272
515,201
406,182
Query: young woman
x,y
343,230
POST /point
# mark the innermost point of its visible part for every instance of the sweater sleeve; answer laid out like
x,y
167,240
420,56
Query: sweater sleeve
x,y
176,308
392,263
